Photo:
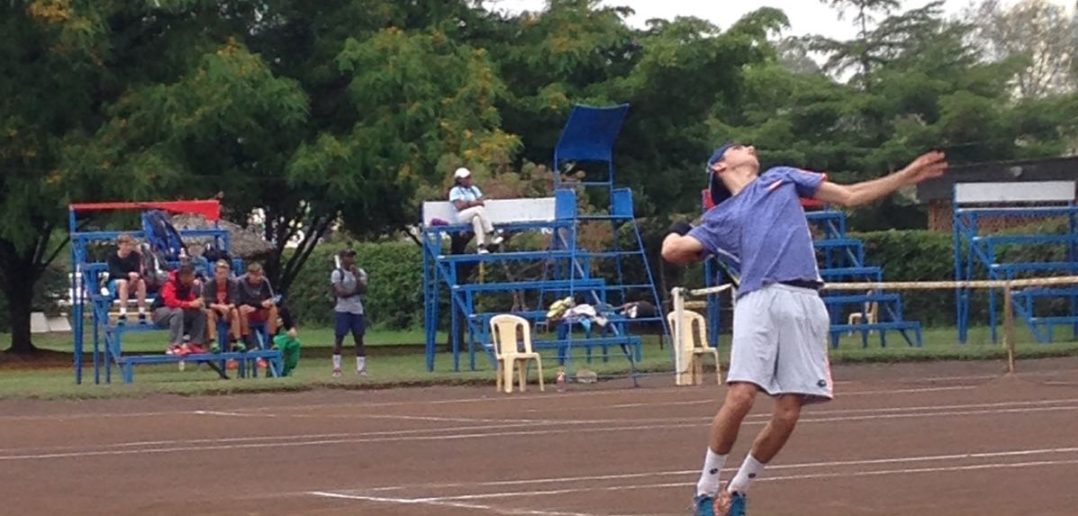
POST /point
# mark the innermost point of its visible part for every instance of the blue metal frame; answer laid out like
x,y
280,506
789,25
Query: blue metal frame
x,y
843,259
107,348
588,135
976,254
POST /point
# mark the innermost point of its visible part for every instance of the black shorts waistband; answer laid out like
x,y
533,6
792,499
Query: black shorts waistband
x,y
809,284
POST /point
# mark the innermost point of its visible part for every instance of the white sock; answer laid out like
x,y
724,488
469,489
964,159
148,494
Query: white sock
x,y
142,310
750,469
361,363
336,361
123,311
709,476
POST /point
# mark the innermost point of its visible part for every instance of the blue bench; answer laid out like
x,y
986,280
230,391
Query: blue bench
x,y
551,285
1049,323
901,326
833,223
588,340
506,256
854,273
631,345
840,252
1010,268
248,361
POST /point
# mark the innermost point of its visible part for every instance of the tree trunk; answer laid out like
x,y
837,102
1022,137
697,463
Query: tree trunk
x,y
20,295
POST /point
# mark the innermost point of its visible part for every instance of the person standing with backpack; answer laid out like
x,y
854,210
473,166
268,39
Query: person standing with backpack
x,y
349,283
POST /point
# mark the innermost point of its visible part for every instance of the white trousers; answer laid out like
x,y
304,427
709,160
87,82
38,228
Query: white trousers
x,y
477,215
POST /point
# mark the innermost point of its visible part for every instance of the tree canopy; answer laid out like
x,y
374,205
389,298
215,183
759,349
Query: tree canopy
x,y
354,111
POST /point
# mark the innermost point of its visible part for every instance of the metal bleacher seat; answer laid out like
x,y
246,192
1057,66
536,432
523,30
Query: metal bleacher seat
x,y
979,248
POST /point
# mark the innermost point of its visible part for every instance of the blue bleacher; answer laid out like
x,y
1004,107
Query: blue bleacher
x,y
566,267
92,309
842,259
977,254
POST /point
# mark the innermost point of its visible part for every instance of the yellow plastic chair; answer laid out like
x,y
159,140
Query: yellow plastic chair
x,y
513,353
694,336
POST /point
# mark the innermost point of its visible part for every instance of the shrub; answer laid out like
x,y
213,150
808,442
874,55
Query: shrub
x,y
394,297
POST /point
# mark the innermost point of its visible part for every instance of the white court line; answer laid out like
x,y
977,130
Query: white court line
x,y
715,400
547,421
772,467
807,476
718,399
95,415
261,411
488,435
439,419
285,437
646,390
224,413
481,399
482,424
458,505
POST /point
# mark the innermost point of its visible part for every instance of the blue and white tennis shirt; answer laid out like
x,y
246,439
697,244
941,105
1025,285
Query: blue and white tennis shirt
x,y
762,231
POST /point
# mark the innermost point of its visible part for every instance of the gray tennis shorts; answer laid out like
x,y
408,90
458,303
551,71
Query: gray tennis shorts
x,y
780,342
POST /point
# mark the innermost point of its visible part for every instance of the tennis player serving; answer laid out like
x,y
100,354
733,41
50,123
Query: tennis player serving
x,y
780,323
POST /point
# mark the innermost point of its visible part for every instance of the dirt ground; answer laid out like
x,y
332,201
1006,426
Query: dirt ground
x,y
938,438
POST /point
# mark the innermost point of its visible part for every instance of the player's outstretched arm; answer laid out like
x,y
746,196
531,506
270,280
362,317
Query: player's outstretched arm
x,y
679,248
927,166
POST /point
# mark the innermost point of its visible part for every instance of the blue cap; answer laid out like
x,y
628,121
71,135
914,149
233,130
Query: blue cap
x,y
718,154
716,188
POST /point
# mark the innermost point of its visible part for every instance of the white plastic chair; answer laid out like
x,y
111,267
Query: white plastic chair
x,y
512,353
868,315
694,335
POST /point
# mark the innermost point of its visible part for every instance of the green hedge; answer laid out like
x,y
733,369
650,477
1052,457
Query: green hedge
x,y
918,255
395,294
395,298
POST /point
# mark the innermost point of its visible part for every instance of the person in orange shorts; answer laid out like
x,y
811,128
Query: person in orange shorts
x,y
220,295
257,305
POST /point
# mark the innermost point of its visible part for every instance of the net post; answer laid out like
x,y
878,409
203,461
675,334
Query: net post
x,y
678,295
1008,325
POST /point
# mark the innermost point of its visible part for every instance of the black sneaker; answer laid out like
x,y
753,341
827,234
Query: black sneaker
x,y
121,320
142,319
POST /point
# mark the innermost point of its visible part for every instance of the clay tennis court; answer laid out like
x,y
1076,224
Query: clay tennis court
x,y
940,438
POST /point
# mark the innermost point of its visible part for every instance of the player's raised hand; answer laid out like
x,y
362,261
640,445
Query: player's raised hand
x,y
927,166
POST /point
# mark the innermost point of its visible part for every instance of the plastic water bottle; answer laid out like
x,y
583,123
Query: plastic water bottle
x,y
560,380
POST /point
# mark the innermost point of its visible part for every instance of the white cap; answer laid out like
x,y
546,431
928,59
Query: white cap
x,y
462,173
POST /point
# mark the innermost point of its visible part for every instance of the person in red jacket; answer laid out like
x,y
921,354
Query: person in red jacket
x,y
179,307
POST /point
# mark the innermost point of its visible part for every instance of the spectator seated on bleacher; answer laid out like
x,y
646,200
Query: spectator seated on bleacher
x,y
257,304
469,202
126,273
179,307
220,294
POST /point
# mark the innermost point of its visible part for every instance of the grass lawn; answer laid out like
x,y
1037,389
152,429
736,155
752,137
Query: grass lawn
x,y
396,359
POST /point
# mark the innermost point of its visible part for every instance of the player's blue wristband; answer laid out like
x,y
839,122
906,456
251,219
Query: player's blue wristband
x,y
681,228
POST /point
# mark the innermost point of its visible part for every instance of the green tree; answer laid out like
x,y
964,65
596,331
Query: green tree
x,y
63,63
861,51
1040,34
